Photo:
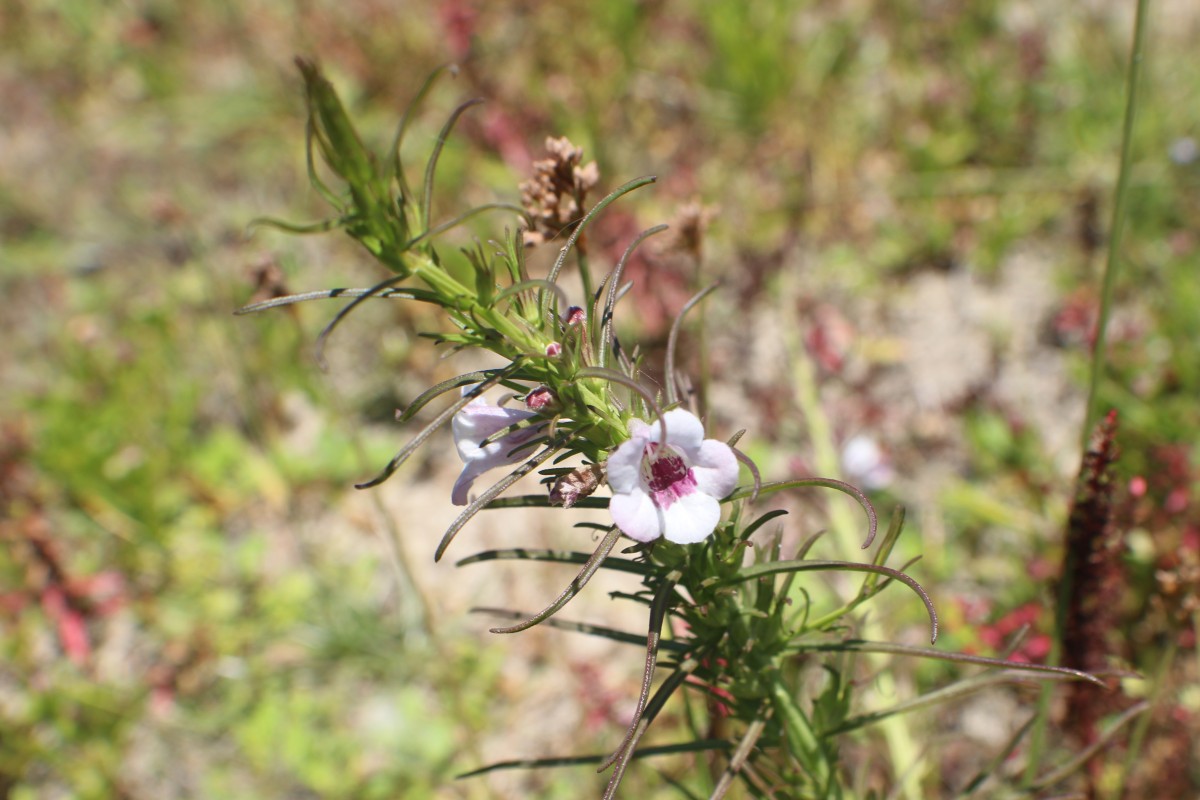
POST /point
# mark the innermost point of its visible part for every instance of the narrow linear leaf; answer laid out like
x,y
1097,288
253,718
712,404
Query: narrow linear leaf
x,y
323,337
960,689
828,483
587,628
440,420
543,501
322,226
310,163
998,760
460,219
490,494
624,189
535,283
754,527
558,556
435,156
664,693
573,588
777,567
754,473
1084,755
466,379
613,281
860,646
658,612
402,127
700,746
673,337
330,294
802,740
612,375
740,756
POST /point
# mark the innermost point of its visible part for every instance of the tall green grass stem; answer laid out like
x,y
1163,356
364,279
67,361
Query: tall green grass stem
x,y
1117,224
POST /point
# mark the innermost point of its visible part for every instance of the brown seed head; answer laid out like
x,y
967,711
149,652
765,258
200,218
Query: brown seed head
x,y
554,197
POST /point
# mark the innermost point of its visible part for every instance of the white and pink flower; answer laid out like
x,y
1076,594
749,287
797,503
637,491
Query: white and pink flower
x,y
477,421
670,489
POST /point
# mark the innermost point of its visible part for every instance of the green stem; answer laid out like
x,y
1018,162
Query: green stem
x,y
1117,225
454,293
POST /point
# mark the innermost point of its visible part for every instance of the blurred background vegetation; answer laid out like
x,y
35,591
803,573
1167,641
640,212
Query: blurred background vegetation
x,y
912,196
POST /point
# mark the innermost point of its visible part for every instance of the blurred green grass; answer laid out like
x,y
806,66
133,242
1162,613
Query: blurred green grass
x,y
851,148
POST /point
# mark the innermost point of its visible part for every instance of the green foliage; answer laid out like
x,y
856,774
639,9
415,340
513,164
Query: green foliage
x,y
873,143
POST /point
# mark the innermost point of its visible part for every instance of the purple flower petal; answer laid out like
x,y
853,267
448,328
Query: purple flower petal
x,y
475,423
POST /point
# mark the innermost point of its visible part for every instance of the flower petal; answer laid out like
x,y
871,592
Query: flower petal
x,y
715,468
683,430
625,465
692,518
479,420
638,429
636,515
460,495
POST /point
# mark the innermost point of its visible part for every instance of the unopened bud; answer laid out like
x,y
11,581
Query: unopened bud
x,y
576,316
577,484
540,399
553,349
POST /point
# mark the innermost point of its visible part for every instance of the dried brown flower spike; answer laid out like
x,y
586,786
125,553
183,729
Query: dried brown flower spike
x,y
554,197
691,221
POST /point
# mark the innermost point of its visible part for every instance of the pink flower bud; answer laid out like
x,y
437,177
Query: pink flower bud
x,y
539,399
576,316
553,349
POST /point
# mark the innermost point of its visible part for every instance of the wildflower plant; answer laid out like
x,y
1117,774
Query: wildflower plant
x,y
729,617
